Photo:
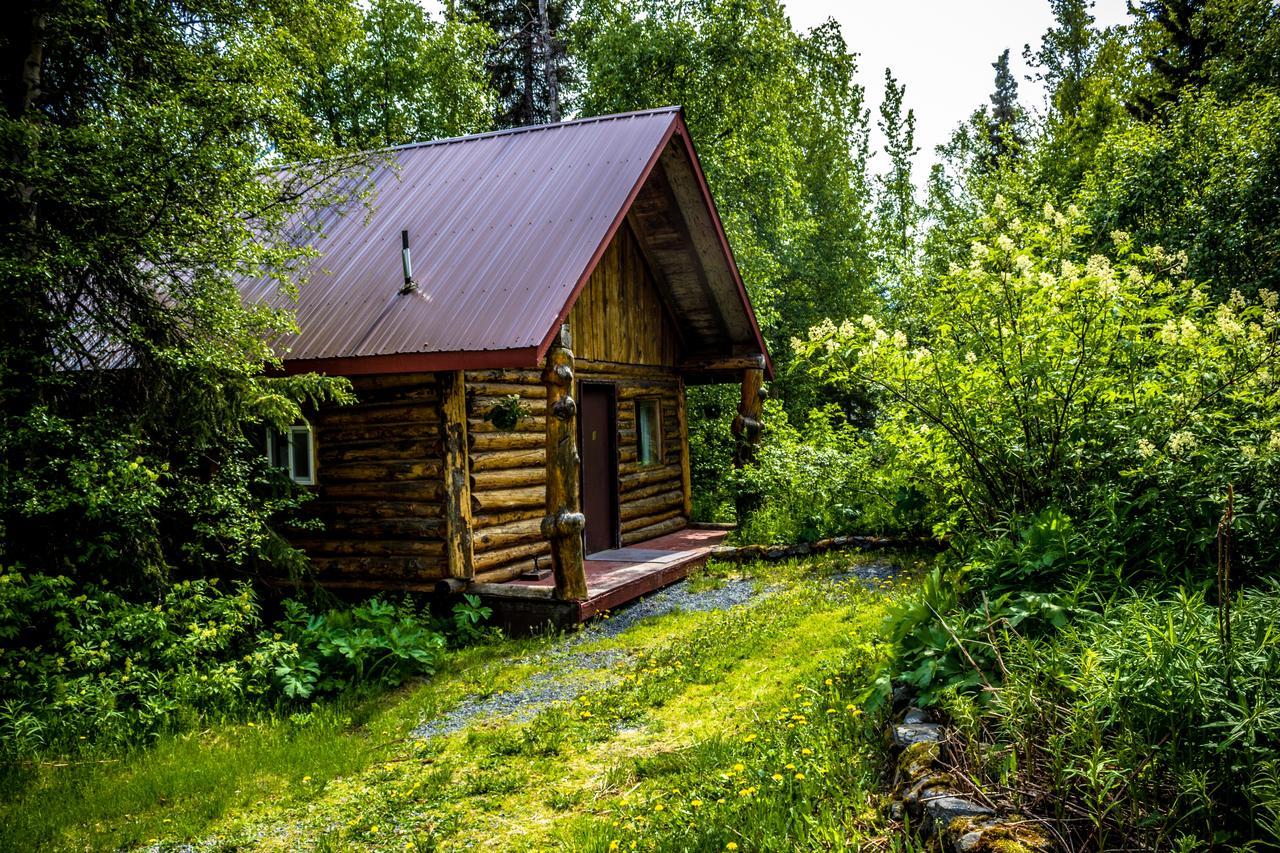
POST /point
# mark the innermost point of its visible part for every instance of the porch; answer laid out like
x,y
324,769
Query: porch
x,y
614,577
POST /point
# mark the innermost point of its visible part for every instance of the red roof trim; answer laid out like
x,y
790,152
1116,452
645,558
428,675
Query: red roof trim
x,y
608,238
416,362
687,139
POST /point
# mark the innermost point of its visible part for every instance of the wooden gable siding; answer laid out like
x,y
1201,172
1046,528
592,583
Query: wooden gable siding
x,y
379,486
620,316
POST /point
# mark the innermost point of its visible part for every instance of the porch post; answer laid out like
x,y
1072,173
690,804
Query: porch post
x,y
563,523
746,426
457,480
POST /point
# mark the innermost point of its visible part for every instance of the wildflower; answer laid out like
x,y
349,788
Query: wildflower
x,y
613,845
799,777
1004,243
1145,448
970,357
749,738
806,751
373,830
695,803
900,339
731,846
739,767
790,767
1181,442
659,807
777,777
1269,298
829,682
586,715
306,778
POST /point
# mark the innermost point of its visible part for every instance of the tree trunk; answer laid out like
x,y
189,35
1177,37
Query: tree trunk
x,y
564,522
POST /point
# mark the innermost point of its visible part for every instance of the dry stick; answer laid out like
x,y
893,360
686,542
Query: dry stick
x,y
1224,585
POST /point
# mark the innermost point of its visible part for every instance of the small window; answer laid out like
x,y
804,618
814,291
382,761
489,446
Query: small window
x,y
649,432
293,451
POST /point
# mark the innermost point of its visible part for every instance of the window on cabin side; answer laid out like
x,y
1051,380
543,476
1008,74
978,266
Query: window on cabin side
x,y
293,451
649,431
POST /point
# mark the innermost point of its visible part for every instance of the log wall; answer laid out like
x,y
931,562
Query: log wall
x,y
379,485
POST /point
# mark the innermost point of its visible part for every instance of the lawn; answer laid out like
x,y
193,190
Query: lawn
x,y
734,720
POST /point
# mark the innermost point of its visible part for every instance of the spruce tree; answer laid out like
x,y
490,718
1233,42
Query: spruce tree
x,y
528,64
1003,134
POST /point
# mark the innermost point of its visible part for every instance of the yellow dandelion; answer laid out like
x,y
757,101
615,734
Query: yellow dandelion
x,y
777,777
695,803
829,682
659,807
799,777
586,715
806,751
739,767
749,738
373,830
790,766
731,846
306,778
613,845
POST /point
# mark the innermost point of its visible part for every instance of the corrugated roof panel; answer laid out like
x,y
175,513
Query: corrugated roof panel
x,y
502,227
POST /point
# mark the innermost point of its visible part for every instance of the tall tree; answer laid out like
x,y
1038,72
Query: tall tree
x,y
897,213
528,63
1004,135
395,76
1066,54
134,141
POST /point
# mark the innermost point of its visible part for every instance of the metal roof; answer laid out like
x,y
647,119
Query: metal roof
x,y
504,229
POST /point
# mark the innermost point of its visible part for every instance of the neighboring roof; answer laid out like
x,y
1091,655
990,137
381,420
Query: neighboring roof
x,y
505,228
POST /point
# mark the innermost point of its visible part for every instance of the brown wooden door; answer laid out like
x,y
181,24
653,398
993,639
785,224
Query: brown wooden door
x,y
599,424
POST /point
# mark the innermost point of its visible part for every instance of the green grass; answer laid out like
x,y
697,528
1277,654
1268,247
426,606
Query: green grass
x,y
692,696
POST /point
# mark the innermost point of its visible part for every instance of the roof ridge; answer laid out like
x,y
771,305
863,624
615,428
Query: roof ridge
x,y
530,128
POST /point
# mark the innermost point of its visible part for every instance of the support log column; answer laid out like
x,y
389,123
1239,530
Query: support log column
x,y
746,426
563,523
457,480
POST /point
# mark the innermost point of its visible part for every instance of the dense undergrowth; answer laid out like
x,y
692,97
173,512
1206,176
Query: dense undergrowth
x,y
89,671
747,726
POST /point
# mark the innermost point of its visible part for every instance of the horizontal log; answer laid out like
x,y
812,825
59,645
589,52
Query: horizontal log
x,y
531,375
367,527
363,434
613,368
507,478
531,496
480,442
416,568
502,574
501,556
505,535
661,528
661,487
370,547
372,508
379,472
635,475
663,390
533,423
711,364
651,506
497,390
650,520
483,521
398,450
371,381
412,490
496,460
418,393
399,413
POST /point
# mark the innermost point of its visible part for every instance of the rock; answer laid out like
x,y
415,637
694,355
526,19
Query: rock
x,y
906,734
939,812
914,716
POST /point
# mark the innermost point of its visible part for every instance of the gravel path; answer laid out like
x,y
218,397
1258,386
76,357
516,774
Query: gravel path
x,y
563,681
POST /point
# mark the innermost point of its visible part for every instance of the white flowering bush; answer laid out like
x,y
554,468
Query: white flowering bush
x,y
1109,387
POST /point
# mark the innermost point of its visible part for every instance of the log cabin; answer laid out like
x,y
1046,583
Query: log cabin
x,y
520,313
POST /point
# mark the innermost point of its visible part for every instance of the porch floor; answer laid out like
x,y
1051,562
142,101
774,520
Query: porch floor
x,y
613,578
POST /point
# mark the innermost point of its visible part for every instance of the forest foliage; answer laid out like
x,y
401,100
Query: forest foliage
x,y
1059,357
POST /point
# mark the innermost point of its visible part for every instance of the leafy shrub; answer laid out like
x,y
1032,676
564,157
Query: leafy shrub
x,y
374,643
88,666
821,480
1113,390
1143,718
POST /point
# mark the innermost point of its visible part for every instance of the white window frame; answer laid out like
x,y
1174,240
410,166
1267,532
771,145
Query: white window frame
x,y
290,436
